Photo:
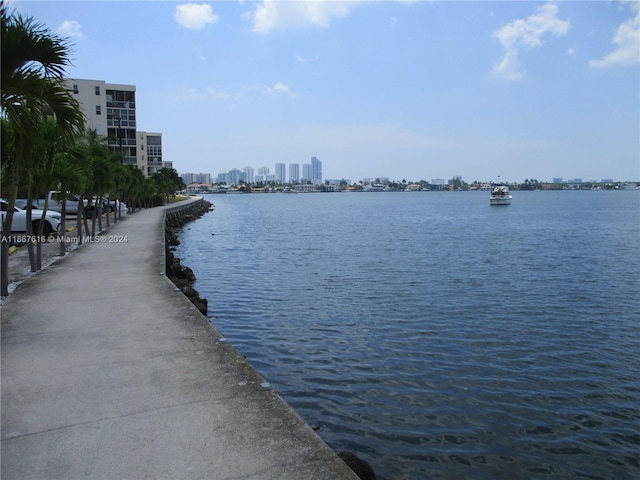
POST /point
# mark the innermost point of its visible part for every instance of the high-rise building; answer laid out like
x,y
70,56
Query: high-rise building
x,y
188,178
316,170
294,173
204,178
281,175
234,176
249,174
110,110
307,172
263,171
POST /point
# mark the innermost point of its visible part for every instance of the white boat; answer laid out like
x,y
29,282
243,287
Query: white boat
x,y
500,195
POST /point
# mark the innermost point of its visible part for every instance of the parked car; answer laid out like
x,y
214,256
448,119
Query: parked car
x,y
55,201
19,221
109,206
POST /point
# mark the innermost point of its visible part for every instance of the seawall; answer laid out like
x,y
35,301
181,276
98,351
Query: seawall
x,y
108,371
183,277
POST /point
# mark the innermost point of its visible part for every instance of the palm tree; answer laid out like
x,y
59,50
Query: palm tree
x,y
136,188
32,70
167,182
96,152
39,168
72,176
32,65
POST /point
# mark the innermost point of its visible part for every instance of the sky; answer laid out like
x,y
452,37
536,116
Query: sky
x,y
412,90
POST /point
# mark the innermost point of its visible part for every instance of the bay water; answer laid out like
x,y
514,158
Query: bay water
x,y
434,335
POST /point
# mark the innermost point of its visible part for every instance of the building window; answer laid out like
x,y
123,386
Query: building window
x,y
98,110
75,88
97,90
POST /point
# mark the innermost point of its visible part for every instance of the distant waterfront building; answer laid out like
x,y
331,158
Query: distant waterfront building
x,y
316,170
294,173
557,179
234,176
203,178
281,175
336,182
248,174
270,178
307,172
263,171
188,178
376,180
438,183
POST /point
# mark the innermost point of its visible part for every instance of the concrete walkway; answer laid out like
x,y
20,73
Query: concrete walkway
x,y
108,372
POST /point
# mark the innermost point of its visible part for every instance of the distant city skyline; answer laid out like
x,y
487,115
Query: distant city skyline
x,y
404,89
209,179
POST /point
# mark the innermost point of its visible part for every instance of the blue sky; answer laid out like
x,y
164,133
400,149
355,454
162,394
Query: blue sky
x,y
401,89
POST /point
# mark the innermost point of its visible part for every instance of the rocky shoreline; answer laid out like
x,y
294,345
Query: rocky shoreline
x,y
181,275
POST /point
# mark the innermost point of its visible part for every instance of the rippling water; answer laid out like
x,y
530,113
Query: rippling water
x,y
434,335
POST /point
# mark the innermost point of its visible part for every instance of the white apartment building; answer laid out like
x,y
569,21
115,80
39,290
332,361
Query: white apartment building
x,y
110,110
150,152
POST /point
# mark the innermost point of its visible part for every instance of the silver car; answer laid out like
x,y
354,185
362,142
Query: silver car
x,y
19,222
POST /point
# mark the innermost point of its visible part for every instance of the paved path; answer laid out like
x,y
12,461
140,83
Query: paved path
x,y
109,373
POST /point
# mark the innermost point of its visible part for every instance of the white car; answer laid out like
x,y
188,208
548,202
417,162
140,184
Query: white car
x,y
19,222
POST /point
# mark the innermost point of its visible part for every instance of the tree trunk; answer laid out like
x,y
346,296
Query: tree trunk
x,y
63,225
29,232
4,246
79,217
84,216
109,213
97,210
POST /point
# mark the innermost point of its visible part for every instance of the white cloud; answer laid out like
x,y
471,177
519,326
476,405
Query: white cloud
x,y
280,87
191,94
300,59
527,32
187,95
274,14
627,38
70,28
212,92
195,16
